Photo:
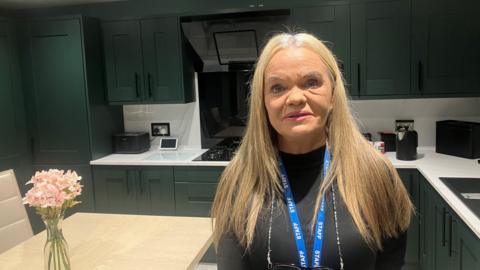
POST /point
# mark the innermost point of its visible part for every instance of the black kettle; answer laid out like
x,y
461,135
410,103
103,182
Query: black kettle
x,y
406,144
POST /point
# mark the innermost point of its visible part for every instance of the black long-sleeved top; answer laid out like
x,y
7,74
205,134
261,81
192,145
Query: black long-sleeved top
x,y
303,171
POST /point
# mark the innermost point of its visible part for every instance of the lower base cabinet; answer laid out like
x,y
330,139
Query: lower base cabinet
x,y
195,188
446,242
410,180
134,190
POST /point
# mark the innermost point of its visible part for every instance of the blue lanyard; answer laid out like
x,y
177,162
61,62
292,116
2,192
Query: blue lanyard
x,y
297,229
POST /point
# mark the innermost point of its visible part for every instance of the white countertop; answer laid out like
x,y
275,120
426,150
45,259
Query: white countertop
x,y
155,157
430,164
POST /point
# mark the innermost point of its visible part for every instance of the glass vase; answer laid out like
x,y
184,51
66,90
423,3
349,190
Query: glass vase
x,y
56,248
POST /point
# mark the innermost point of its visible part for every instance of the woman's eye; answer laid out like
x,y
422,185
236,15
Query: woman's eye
x,y
311,83
277,88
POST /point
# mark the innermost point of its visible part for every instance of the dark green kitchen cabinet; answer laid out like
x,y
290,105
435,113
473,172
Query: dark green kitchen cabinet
x,y
156,194
446,242
425,217
380,48
195,189
69,120
331,24
13,138
147,61
134,190
468,249
411,182
445,41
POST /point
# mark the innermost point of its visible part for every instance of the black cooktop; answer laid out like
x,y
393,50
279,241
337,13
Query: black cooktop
x,y
467,190
223,151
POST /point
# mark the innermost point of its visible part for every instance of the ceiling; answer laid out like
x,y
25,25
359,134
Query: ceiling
x,y
27,4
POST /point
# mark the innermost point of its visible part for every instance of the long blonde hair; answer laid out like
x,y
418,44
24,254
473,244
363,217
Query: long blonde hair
x,y
368,183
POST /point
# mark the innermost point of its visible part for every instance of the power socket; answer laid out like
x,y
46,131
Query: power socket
x,y
160,129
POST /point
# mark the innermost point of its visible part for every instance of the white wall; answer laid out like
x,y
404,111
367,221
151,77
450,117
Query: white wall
x,y
372,116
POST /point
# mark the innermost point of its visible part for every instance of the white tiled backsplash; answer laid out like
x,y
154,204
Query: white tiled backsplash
x,y
372,116
380,115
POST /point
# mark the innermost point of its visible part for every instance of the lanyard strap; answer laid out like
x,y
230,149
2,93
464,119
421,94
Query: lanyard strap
x,y
297,229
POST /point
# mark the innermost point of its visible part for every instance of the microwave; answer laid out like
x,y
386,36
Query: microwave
x,y
458,138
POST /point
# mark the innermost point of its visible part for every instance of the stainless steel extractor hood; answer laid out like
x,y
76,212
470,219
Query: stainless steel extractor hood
x,y
232,41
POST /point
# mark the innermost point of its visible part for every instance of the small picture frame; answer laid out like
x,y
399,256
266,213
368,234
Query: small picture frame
x,y
161,129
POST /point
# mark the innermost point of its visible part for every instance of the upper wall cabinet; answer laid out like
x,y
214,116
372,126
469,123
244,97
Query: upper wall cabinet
x,y
147,62
380,48
69,120
330,24
446,42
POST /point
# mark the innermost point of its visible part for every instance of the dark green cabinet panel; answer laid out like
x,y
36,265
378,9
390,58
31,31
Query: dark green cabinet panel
x,y
195,188
411,182
146,62
123,60
163,71
446,242
198,174
330,24
134,190
445,55
68,118
468,250
425,214
13,140
59,88
155,194
115,190
380,47
442,241
194,199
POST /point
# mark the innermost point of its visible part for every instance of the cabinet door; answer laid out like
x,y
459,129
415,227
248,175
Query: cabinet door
x,y
468,250
123,61
195,189
381,47
194,199
13,142
444,231
330,24
410,180
162,58
115,189
446,38
155,193
57,91
425,214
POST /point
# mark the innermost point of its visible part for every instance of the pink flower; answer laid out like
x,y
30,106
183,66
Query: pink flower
x,y
53,189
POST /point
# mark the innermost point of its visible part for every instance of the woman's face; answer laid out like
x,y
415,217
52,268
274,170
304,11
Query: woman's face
x,y
298,94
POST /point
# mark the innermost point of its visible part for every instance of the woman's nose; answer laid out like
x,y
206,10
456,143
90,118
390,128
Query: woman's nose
x,y
296,97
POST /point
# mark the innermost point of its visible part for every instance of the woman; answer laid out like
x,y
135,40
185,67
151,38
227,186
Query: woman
x,y
305,188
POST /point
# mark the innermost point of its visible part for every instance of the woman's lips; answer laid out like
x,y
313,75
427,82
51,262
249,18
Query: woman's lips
x,y
297,116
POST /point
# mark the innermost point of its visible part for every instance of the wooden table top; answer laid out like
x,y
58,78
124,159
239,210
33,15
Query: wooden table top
x,y
116,242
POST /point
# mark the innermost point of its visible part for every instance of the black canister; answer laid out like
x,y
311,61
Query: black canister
x,y
406,144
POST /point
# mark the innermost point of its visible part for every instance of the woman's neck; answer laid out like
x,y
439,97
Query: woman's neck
x,y
299,145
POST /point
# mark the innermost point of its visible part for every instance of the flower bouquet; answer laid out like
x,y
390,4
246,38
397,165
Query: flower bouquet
x,y
52,193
